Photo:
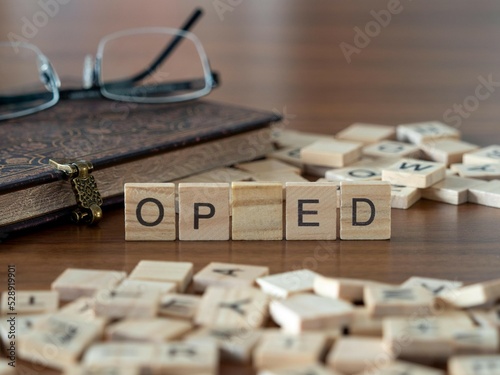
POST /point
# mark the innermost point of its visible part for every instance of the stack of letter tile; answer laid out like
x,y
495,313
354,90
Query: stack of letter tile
x,y
364,170
239,317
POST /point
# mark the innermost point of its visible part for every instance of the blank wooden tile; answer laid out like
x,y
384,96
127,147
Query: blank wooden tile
x,y
474,364
257,210
311,211
162,287
366,133
487,194
434,286
228,275
351,355
150,212
74,283
451,190
403,197
473,295
365,212
117,304
480,171
241,307
405,368
354,174
485,155
182,306
309,369
310,312
392,149
343,288
415,173
179,273
236,344
268,165
282,285
387,301
30,302
426,338
331,153
446,151
6,369
59,342
418,133
277,349
148,330
204,212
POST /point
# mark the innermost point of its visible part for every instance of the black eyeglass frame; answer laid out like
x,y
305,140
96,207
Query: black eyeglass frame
x,y
98,87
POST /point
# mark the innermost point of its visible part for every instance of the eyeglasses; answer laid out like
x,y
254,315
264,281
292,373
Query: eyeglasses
x,y
29,83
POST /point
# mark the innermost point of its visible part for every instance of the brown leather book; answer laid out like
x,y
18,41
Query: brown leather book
x,y
125,142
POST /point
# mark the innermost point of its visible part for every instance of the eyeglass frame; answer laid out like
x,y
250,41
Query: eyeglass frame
x,y
97,85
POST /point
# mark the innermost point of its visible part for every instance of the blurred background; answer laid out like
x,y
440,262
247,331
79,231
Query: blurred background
x,y
323,64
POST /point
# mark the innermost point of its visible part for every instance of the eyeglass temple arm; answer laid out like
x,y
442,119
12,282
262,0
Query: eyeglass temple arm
x,y
168,50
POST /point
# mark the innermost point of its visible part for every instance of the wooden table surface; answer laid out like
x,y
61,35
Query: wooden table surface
x,y
286,55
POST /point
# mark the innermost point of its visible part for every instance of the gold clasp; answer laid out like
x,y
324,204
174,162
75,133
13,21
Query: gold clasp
x,y
88,198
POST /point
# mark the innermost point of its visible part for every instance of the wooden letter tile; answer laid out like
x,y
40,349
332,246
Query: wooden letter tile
x,y
59,342
486,155
359,173
392,149
416,173
474,364
162,287
242,307
257,209
310,312
351,355
117,304
204,212
288,155
332,153
282,285
74,283
421,132
483,340
101,370
150,330
123,354
30,302
487,194
363,324
179,273
150,212
366,133
268,165
20,325
403,197
451,190
387,301
343,288
309,369
278,349
311,211
435,286
183,306
481,171
228,275
192,357
365,212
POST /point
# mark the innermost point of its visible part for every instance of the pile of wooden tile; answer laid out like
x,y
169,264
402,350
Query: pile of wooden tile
x,y
296,322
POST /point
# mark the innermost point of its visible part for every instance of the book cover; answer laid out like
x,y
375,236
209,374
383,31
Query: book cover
x,y
125,142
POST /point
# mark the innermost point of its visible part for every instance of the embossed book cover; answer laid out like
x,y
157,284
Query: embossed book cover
x,y
125,143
